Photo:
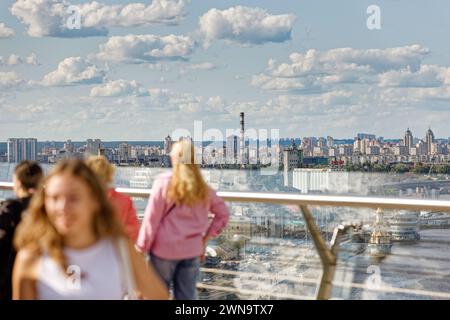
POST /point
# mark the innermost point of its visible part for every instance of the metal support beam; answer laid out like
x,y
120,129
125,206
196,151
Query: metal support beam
x,y
327,258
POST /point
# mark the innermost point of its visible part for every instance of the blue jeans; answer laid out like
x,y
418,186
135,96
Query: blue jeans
x,y
183,274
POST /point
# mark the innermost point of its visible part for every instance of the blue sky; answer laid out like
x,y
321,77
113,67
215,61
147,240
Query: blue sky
x,y
147,67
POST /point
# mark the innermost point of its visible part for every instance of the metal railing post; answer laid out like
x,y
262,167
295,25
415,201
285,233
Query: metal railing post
x,y
327,258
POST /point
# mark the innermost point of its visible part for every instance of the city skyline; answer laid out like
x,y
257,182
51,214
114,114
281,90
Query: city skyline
x,y
242,149
161,139
306,68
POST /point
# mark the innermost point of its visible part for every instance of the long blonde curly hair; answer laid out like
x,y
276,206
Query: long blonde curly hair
x,y
37,233
187,186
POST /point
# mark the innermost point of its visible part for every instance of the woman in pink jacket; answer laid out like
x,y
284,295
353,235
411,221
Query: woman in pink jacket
x,y
176,228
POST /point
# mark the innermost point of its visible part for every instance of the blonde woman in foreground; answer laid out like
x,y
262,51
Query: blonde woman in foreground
x,y
69,244
175,228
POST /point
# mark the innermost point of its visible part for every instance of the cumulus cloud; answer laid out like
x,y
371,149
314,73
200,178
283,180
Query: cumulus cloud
x,y
134,14
6,32
202,66
216,102
30,113
379,59
118,88
441,93
305,84
188,103
72,71
344,108
9,80
286,105
49,17
340,97
426,76
145,48
160,97
291,110
392,78
338,112
32,59
350,60
157,67
15,59
316,70
414,95
246,25
184,101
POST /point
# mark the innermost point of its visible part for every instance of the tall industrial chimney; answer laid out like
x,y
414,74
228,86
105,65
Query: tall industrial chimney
x,y
242,142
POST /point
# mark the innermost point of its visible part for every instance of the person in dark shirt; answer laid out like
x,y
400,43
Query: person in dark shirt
x,y
27,178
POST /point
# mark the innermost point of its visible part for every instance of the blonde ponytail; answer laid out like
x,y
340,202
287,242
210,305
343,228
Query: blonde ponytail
x,y
187,186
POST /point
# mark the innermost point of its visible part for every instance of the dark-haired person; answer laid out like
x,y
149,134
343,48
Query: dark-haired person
x,y
71,244
26,179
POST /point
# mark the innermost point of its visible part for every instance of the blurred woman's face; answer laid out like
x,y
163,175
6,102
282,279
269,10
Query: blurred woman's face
x,y
70,205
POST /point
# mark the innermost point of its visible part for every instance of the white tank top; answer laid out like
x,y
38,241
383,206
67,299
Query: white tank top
x,y
94,273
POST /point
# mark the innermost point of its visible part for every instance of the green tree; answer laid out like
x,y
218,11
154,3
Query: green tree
x,y
378,167
420,169
441,169
400,168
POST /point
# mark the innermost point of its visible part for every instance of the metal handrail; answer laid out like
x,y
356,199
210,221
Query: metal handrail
x,y
6,185
310,200
317,200
327,254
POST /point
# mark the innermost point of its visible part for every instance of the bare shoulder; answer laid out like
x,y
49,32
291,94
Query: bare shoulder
x,y
25,274
27,261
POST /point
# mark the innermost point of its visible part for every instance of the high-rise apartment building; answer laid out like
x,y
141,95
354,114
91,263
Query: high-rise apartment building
x,y
92,147
429,140
124,152
232,147
408,139
19,149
